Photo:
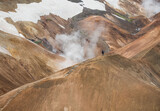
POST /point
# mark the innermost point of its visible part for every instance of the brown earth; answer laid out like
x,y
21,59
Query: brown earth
x,y
12,74
106,83
113,35
144,43
11,5
126,79
33,62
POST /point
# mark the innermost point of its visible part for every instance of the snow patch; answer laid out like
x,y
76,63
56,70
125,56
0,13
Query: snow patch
x,y
5,51
114,3
62,8
61,26
118,17
33,11
92,4
8,28
152,83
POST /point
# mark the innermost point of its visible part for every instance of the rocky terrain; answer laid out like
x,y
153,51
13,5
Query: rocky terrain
x,y
79,55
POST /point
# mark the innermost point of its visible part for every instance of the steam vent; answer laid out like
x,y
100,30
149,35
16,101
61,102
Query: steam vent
x,y
79,55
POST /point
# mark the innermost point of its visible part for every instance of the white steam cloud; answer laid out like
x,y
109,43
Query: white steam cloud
x,y
71,45
151,7
78,47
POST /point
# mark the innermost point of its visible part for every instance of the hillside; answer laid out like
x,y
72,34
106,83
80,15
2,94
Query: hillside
x,y
80,55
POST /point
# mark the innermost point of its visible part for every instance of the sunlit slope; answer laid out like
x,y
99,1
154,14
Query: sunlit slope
x,y
33,62
104,83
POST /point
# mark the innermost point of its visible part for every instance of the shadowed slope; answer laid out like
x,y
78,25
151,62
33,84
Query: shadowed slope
x,y
12,74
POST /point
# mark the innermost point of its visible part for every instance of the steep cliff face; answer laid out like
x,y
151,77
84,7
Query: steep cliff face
x,y
45,46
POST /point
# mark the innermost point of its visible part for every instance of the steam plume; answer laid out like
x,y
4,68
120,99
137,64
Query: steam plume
x,y
77,46
151,7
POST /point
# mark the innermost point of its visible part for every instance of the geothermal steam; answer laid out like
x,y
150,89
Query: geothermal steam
x,y
151,7
78,46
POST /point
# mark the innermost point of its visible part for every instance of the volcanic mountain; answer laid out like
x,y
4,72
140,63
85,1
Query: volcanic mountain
x,y
80,55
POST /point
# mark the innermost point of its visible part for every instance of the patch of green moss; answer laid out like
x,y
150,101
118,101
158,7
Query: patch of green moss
x,y
38,42
48,19
124,17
